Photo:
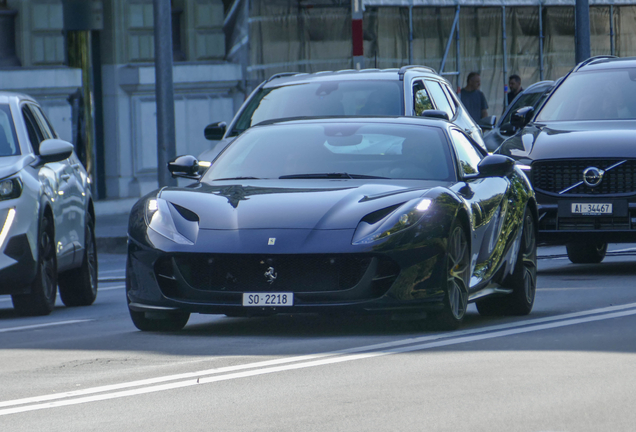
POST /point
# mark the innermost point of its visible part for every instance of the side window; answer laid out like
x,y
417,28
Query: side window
x,y
467,155
449,96
35,134
421,100
439,97
44,123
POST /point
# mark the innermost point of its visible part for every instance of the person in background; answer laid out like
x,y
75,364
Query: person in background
x,y
514,87
473,99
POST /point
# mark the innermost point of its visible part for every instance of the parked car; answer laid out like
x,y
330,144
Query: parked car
x,y
46,213
358,215
369,92
579,152
533,96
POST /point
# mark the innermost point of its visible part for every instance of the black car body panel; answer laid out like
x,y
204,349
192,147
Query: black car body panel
x,y
318,235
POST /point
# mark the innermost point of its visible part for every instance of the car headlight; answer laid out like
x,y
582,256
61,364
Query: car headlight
x,y
159,219
10,188
405,216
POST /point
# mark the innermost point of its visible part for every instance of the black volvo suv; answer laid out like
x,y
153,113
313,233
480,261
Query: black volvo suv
x,y
579,151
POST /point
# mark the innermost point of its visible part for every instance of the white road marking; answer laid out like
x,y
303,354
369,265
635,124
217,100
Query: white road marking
x,y
111,288
35,326
300,362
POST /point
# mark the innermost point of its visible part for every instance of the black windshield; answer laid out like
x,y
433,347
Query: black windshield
x,y
336,150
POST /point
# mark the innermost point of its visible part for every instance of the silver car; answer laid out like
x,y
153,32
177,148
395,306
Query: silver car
x,y
47,219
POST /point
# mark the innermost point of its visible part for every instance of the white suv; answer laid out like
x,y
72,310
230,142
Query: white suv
x,y
408,91
47,220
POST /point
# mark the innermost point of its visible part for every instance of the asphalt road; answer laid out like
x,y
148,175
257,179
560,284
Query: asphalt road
x,y
568,366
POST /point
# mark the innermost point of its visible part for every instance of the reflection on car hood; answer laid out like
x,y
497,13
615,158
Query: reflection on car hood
x,y
307,204
10,165
589,139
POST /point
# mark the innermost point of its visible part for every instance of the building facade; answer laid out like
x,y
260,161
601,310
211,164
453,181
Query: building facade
x,y
206,87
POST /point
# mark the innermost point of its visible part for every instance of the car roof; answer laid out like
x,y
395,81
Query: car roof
x,y
396,120
539,87
606,63
6,97
391,74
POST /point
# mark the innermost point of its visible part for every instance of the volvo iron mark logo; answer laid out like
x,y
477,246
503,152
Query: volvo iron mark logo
x,y
592,176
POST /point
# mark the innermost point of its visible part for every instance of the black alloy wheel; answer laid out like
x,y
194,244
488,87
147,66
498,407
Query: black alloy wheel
x,y
586,253
41,299
456,282
522,281
78,287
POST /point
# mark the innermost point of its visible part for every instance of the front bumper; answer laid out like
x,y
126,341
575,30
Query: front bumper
x,y
327,275
558,225
17,245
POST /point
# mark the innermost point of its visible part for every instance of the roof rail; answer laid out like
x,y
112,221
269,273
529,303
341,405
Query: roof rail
x,y
280,75
591,59
403,69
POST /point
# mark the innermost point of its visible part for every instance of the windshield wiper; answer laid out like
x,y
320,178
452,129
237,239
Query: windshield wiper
x,y
238,178
341,175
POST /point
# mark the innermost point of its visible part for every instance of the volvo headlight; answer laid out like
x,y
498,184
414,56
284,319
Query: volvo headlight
x,y
160,219
400,219
10,188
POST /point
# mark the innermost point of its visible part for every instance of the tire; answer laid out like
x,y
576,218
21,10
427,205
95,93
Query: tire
x,y
522,281
457,273
586,253
78,287
41,299
168,321
172,321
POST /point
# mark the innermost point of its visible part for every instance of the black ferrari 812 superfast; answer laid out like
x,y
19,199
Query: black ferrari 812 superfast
x,y
400,216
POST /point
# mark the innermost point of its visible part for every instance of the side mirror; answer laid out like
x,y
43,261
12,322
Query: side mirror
x,y
185,166
487,123
507,129
55,150
435,114
215,131
522,117
493,166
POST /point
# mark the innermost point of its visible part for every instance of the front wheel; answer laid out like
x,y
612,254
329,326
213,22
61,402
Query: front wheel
x,y
523,279
586,253
41,299
173,321
456,280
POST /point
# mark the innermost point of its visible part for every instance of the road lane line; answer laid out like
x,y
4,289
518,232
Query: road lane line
x,y
111,288
318,362
313,357
35,326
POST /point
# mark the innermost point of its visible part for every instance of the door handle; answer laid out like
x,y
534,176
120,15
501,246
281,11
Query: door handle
x,y
65,177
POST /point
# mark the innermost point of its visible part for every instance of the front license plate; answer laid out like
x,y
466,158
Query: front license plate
x,y
591,209
268,299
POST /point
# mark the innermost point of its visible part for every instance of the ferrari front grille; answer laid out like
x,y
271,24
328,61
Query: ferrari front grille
x,y
256,273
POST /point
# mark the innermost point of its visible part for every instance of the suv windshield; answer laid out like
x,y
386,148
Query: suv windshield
x,y
336,150
317,99
595,95
8,139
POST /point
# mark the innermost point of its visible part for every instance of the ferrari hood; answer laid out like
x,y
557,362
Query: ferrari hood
x,y
308,204
557,140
